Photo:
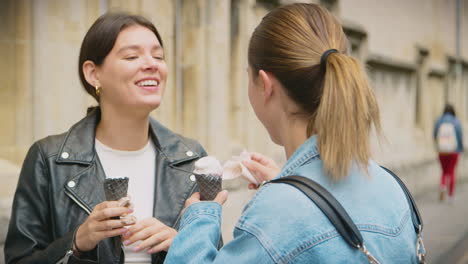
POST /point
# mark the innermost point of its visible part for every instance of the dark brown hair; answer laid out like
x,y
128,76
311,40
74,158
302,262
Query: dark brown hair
x,y
449,109
336,99
101,37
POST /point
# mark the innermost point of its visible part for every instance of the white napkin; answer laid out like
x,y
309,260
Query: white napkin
x,y
234,168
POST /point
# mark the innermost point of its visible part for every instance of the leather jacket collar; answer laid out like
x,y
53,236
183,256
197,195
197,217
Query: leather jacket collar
x,y
79,142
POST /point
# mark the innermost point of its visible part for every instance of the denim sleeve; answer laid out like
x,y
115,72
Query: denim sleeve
x,y
199,235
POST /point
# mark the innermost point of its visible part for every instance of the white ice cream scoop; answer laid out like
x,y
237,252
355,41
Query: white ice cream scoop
x,y
208,165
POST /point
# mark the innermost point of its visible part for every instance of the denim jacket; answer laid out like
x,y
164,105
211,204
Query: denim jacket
x,y
281,225
448,118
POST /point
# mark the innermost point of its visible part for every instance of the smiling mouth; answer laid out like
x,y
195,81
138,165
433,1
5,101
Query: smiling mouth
x,y
147,83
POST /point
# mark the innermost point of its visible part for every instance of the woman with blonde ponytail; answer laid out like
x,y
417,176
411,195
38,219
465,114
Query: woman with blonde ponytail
x,y
316,102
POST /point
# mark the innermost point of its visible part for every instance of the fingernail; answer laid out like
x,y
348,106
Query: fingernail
x,y
124,201
130,210
127,233
150,251
126,242
136,248
128,220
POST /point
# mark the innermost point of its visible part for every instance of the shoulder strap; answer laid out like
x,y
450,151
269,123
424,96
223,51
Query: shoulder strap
x,y
328,205
415,216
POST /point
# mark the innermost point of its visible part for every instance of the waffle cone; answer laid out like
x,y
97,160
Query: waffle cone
x,y
115,188
209,186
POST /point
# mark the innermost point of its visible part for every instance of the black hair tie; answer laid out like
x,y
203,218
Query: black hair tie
x,y
323,59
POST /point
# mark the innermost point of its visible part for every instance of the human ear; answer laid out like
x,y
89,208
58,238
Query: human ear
x,y
90,73
267,84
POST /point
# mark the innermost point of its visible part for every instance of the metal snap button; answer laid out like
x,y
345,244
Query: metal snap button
x,y
71,184
192,178
65,155
189,153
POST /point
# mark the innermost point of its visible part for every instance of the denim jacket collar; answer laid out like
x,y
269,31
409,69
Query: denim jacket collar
x,y
304,153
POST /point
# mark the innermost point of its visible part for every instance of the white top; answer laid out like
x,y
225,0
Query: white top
x,y
139,167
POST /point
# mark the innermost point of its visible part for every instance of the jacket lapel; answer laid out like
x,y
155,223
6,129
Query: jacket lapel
x,y
85,186
172,185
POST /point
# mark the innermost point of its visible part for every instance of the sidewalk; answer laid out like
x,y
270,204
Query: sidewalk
x,y
445,224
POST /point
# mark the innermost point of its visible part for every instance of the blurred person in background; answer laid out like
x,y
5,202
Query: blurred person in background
x,y
59,211
316,102
448,137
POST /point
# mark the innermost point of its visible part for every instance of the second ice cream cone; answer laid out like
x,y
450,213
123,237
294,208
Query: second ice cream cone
x,y
208,172
209,186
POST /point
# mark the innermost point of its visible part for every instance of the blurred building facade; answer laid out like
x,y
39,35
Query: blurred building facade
x,y
415,52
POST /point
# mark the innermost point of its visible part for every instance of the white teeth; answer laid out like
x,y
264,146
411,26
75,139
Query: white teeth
x,y
148,83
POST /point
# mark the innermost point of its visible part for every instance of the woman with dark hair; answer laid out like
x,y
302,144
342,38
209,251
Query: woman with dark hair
x,y
59,211
316,102
448,137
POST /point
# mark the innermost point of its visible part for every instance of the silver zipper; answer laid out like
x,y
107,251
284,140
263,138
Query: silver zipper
x,y
370,257
69,194
69,253
64,260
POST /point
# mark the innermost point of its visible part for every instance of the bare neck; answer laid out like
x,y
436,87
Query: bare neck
x,y
294,134
123,130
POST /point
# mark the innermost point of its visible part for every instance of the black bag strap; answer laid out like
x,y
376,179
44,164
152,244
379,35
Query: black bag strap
x,y
327,203
415,216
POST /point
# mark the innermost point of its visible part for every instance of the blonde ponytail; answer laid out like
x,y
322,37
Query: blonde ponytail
x,y
337,98
347,110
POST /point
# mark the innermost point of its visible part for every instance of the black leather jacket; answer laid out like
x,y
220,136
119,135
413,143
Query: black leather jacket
x,y
61,182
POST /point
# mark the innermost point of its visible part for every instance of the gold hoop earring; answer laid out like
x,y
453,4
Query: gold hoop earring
x,y
98,91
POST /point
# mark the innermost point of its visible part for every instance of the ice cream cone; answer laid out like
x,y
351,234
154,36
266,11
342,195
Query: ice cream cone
x,y
209,185
115,188
208,173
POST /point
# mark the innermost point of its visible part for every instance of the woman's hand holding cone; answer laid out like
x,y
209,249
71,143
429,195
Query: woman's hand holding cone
x,y
153,234
99,225
221,198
